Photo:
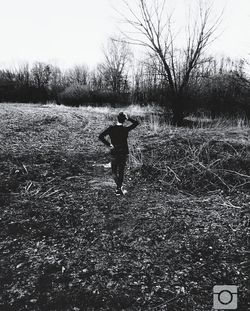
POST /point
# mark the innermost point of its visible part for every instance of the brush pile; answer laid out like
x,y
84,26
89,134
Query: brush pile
x,y
198,165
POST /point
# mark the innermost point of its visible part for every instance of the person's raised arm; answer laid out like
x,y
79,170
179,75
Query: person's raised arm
x,y
134,124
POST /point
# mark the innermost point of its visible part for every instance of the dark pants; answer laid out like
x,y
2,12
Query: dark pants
x,y
118,163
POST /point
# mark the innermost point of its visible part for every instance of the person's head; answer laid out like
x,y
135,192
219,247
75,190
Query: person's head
x,y
121,117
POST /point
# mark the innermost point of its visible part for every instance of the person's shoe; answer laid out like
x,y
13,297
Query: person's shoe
x,y
124,191
118,192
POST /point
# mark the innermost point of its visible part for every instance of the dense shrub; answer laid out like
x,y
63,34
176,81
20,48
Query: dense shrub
x,y
74,95
77,94
109,97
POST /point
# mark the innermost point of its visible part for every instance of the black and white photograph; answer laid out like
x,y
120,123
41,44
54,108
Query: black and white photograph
x,y
124,155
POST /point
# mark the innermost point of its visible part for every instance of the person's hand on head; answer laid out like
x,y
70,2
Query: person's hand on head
x,y
126,116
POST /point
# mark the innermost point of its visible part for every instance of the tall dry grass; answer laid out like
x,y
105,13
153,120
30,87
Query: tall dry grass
x,y
220,122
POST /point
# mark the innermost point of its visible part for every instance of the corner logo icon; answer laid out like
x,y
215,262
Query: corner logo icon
x,y
225,297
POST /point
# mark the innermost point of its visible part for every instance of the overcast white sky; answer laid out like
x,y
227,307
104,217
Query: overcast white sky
x,y
68,32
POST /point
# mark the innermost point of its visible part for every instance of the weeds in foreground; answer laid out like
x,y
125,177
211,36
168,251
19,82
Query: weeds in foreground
x,y
66,245
199,166
135,157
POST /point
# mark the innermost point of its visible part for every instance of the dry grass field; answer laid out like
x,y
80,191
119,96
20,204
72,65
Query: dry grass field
x,y
68,243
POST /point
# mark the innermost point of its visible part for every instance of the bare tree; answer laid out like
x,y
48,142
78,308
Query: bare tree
x,y
96,80
23,75
41,74
152,28
57,82
78,75
117,56
147,82
7,84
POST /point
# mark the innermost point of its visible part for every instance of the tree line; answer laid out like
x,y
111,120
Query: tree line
x,y
217,86
180,79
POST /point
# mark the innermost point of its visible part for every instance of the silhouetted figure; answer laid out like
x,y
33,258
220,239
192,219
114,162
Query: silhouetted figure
x,y
118,147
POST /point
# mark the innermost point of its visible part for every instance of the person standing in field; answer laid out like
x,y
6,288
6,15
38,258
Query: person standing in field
x,y
119,151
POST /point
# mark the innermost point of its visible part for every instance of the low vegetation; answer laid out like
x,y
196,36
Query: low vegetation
x,y
68,243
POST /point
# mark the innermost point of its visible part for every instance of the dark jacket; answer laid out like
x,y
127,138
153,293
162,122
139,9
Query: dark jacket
x,y
118,135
